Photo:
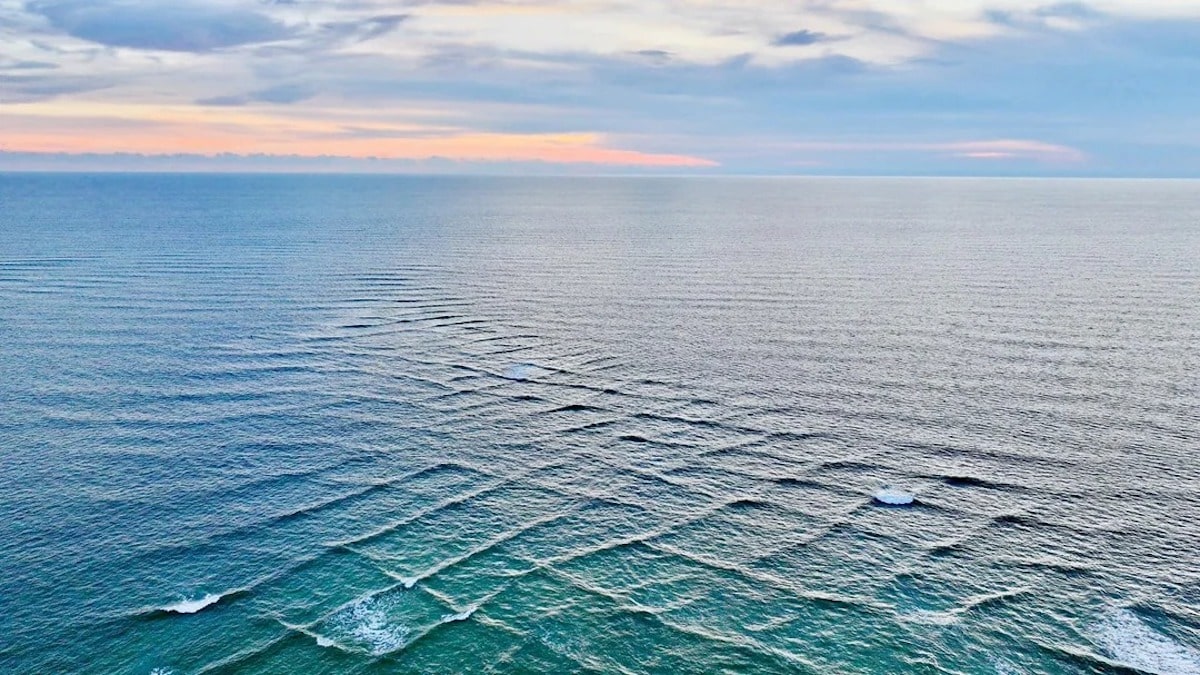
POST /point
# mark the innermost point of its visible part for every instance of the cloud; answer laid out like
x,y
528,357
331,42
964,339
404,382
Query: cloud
x,y
735,82
125,128
656,55
187,26
1072,10
27,65
358,30
800,38
28,88
1057,16
1022,149
283,163
279,94
1014,149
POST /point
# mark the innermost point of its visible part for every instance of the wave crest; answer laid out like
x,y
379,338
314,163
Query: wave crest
x,y
193,606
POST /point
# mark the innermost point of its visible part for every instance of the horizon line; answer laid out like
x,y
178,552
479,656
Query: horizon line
x,y
308,171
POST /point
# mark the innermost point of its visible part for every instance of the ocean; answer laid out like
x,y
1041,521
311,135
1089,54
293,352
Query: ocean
x,y
381,424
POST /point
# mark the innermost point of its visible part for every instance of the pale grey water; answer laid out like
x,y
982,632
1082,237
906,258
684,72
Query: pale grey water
x,y
608,425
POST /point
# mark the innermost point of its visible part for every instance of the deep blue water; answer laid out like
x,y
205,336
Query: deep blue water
x,y
281,424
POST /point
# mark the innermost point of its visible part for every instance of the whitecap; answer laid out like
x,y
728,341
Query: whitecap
x,y
192,606
323,641
1127,639
893,496
409,582
461,616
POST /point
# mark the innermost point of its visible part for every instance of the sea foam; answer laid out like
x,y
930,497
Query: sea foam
x,y
893,497
368,623
520,371
1006,668
1127,639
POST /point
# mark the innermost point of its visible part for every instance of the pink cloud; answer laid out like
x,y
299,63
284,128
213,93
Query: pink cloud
x,y
1015,149
1038,151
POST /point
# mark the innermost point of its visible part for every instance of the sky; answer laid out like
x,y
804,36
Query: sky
x,y
899,87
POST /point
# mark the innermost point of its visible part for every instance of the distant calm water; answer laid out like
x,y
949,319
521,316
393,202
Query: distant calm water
x,y
425,425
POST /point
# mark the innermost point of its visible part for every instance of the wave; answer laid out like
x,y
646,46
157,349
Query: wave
x,y
926,617
577,407
965,481
409,582
1127,639
791,481
767,579
989,599
954,615
459,498
193,606
748,503
590,426
789,660
1014,519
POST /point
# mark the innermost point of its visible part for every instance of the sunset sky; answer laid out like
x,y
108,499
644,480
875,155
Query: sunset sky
x,y
1003,87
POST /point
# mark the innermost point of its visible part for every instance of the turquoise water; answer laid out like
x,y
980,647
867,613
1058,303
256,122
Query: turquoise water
x,y
377,424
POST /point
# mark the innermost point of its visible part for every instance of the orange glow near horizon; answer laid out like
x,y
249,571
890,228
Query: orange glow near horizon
x,y
105,129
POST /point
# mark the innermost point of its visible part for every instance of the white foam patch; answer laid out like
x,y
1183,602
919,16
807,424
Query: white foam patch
x,y
193,606
520,371
162,671
323,641
367,623
893,497
1127,639
409,582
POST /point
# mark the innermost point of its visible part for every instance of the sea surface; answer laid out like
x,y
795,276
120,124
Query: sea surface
x,y
323,424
